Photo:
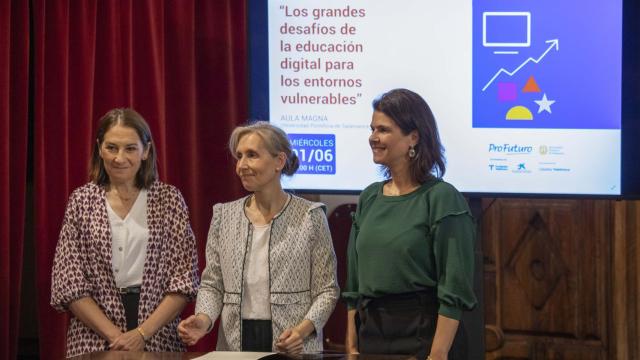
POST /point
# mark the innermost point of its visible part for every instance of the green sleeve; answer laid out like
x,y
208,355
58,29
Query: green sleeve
x,y
453,245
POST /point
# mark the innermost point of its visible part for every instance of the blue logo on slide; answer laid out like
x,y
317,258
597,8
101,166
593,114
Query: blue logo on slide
x,y
316,152
543,64
510,148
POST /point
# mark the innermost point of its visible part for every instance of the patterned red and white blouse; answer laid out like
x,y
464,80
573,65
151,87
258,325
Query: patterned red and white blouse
x,y
82,265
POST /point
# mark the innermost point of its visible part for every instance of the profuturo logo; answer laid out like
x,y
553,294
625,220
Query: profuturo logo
x,y
510,149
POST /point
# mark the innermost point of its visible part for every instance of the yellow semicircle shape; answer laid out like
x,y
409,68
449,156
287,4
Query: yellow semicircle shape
x,y
519,113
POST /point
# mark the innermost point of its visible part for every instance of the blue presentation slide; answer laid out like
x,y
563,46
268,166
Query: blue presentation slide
x,y
547,64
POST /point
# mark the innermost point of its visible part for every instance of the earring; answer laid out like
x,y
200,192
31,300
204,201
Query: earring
x,y
412,152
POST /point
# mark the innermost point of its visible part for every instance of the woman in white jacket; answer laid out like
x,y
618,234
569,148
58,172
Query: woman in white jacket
x,y
271,267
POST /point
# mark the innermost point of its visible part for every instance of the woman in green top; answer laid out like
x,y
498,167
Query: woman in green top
x,y
410,255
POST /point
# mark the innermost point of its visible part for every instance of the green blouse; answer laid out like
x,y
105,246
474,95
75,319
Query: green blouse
x,y
410,242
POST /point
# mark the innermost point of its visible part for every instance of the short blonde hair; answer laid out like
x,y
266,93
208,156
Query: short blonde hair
x,y
275,140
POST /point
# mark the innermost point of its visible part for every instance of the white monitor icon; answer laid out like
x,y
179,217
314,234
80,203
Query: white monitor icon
x,y
506,29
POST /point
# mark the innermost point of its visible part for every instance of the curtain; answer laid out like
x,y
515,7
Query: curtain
x,y
181,64
14,95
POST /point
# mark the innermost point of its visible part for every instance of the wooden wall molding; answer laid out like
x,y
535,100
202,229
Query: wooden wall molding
x,y
626,280
547,278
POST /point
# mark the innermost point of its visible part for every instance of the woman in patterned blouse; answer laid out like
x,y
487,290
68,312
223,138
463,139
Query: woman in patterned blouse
x,y
125,263
271,267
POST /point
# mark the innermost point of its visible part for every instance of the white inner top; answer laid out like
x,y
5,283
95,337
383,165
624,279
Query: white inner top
x,y
255,299
129,242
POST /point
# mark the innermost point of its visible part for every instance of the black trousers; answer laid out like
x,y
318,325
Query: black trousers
x,y
403,324
257,335
131,302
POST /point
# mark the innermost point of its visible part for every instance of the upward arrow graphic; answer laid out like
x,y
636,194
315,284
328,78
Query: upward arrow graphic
x,y
553,43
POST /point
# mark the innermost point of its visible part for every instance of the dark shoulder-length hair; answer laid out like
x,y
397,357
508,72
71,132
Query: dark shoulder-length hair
x,y
411,112
148,172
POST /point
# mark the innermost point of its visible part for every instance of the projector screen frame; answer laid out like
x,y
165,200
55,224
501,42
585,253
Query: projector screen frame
x,y
258,86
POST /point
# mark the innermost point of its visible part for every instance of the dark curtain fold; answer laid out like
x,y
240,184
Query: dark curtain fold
x,y
14,99
181,64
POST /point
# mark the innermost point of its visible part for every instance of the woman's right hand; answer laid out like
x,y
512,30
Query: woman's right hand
x,y
193,328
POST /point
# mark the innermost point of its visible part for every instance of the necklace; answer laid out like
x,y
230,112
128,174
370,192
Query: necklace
x,y
392,189
257,216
